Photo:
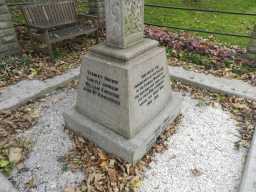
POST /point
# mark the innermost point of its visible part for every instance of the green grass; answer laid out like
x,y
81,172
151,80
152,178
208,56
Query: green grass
x,y
19,19
207,21
197,20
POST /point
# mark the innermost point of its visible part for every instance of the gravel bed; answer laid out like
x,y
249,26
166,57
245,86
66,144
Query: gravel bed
x,y
201,156
44,169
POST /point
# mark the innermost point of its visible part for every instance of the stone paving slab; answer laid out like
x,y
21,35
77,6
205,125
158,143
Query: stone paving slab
x,y
248,183
227,86
24,91
5,185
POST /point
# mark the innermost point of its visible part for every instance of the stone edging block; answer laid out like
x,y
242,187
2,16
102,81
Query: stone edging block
x,y
230,87
27,90
17,95
248,183
5,185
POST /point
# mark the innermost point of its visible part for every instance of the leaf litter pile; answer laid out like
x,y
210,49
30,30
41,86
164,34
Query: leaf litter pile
x,y
12,149
108,173
205,55
35,64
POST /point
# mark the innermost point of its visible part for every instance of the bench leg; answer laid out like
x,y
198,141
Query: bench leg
x,y
50,50
97,36
49,45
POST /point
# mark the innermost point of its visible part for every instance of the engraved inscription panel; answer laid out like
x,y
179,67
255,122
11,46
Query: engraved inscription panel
x,y
149,87
102,86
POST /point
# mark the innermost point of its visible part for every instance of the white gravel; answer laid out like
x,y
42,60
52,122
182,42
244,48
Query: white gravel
x,y
204,142
201,156
50,143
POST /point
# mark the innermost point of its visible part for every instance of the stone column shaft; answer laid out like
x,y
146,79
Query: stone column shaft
x,y
124,22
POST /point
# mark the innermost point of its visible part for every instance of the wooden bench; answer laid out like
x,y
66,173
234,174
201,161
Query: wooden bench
x,y
55,21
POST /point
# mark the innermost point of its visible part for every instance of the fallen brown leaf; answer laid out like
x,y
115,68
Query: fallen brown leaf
x,y
15,154
107,173
196,172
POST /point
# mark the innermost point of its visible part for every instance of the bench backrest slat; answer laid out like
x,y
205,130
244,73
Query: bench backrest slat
x,y
51,14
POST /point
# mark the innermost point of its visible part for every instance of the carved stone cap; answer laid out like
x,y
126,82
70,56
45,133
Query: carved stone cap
x,y
124,22
124,55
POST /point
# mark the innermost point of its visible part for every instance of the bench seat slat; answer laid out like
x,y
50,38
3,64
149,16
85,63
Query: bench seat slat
x,y
51,14
58,20
58,36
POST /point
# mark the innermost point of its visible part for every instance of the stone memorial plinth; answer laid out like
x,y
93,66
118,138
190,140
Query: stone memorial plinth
x,y
124,99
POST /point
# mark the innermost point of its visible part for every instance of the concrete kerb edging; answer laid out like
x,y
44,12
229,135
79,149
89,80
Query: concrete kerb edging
x,y
5,185
25,91
248,183
38,89
229,87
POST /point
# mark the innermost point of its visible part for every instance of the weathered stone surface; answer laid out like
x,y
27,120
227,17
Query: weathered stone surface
x,y
8,40
124,96
4,25
3,9
248,183
5,17
27,90
124,22
8,31
5,185
124,99
231,87
9,48
10,52
130,150
124,55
